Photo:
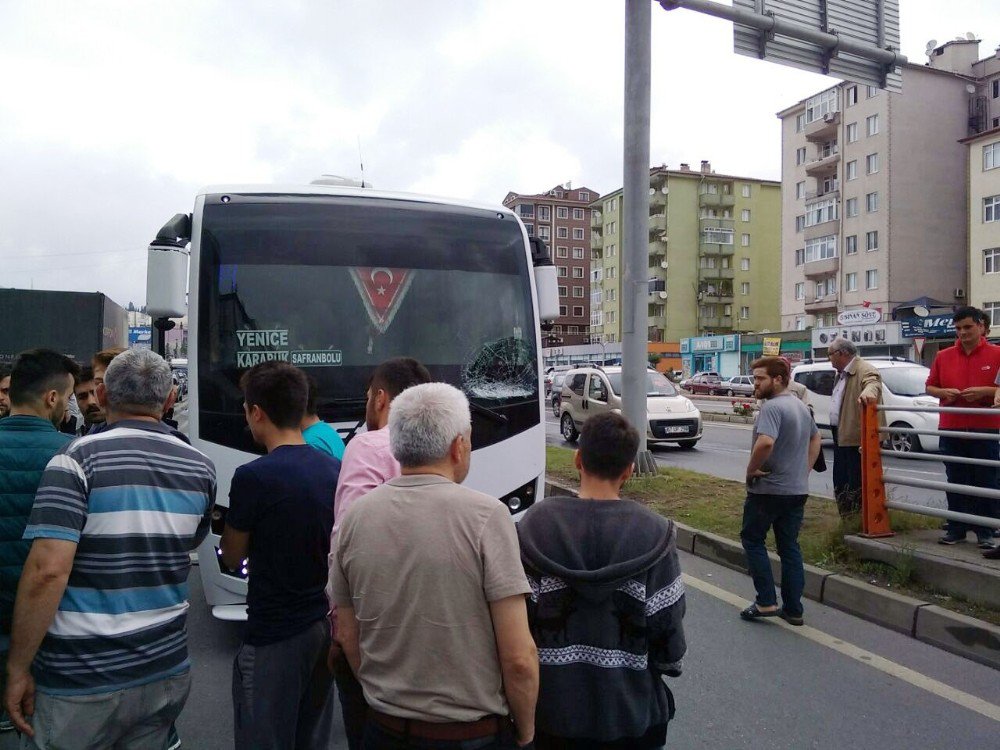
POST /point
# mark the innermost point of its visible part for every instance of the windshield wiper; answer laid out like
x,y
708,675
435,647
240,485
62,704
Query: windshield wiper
x,y
487,412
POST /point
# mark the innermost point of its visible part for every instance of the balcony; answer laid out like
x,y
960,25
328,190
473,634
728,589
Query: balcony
x,y
596,220
658,246
657,201
822,303
823,129
656,321
722,297
716,248
716,200
710,274
724,322
822,229
817,268
596,241
657,224
812,195
824,165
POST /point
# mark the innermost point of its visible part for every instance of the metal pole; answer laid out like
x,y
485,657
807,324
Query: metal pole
x,y
830,43
635,224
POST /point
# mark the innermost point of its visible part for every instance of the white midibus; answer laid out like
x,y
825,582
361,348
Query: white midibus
x,y
336,280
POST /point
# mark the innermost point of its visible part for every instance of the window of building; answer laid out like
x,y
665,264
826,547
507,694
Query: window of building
x,y
871,278
563,272
991,260
612,251
612,205
851,208
578,311
829,148
526,210
800,290
872,91
995,87
562,233
544,213
800,222
800,190
991,208
744,287
573,329
830,184
562,291
800,256
612,272
821,248
584,195
712,188
852,169
578,253
820,105
530,229
562,311
871,202
744,312
596,317
717,235
562,212
852,132
871,123
745,240
578,291
871,241
851,244
744,264
577,272
800,155
871,163
851,282
825,287
562,252
745,191
745,214
991,156
611,295
800,324
597,274
578,233
851,96
545,232
993,310
612,227
577,214
611,319
820,212
800,122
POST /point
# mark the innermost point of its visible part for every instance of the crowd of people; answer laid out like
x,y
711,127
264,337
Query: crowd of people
x,y
376,575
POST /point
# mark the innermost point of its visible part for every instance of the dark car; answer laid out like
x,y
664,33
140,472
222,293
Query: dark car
x,y
705,382
556,392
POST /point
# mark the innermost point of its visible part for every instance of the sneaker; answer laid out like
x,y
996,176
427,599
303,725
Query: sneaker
x,y
993,553
952,539
6,725
985,541
173,740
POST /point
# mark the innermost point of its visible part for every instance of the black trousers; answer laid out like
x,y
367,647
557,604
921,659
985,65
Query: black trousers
x,y
846,476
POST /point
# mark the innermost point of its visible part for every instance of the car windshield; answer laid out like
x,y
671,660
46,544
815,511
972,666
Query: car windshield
x,y
906,381
656,384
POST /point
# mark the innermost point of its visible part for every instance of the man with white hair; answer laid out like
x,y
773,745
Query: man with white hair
x,y
99,620
430,592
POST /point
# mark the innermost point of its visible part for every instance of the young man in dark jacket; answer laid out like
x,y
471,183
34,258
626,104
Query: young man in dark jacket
x,y
606,604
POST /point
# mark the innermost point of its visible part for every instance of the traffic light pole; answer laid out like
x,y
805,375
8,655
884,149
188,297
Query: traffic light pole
x,y
635,226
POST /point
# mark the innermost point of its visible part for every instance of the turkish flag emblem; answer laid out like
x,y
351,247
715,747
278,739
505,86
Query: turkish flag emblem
x,y
382,290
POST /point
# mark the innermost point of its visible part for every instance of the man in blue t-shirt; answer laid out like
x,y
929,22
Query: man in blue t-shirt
x,y
280,519
315,431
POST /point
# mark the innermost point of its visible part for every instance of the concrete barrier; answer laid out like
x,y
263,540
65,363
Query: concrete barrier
x,y
965,636
886,608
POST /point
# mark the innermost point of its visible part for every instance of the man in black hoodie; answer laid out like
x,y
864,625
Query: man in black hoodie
x,y
606,604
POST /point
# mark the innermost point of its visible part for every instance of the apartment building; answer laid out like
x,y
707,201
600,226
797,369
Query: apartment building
x,y
713,255
874,210
561,217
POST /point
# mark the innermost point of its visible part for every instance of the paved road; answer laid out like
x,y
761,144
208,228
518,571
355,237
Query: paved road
x,y
839,682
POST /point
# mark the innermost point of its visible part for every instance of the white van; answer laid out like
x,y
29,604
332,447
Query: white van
x,y
903,386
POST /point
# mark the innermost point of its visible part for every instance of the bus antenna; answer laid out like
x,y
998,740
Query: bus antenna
x,y
362,162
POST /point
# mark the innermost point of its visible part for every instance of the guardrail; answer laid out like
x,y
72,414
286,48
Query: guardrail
x,y
874,504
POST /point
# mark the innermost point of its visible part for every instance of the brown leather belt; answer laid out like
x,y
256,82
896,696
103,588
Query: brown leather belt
x,y
444,731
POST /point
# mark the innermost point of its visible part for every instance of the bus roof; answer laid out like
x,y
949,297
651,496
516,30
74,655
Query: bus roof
x,y
352,192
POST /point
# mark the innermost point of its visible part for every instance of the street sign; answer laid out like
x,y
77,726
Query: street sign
x,y
871,23
918,344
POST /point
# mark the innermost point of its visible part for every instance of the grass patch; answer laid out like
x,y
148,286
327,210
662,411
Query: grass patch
x,y
715,505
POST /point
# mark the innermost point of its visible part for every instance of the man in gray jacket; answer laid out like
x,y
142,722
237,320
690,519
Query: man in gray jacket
x,y
606,592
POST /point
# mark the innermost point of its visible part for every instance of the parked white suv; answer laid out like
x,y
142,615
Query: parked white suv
x,y
903,386
670,416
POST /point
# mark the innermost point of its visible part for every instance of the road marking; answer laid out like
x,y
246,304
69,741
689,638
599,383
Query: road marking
x,y
918,680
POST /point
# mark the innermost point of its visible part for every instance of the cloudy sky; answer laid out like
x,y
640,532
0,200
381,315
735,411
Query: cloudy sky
x,y
113,113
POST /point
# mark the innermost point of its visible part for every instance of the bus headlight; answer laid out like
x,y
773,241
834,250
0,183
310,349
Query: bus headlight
x,y
521,498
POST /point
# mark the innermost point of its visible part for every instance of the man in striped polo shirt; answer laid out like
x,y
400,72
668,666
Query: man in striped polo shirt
x,y
99,621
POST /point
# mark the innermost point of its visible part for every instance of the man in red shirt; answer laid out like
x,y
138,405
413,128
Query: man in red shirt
x,y
963,375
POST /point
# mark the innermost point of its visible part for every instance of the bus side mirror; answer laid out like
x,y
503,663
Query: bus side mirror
x,y
167,269
546,281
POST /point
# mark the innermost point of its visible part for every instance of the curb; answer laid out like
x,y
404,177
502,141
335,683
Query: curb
x,y
950,631
711,416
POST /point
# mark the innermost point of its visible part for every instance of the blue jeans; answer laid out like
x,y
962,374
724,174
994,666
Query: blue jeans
x,y
783,513
976,476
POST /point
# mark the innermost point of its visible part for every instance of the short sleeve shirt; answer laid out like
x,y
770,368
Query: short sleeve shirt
x,y
953,368
787,420
323,436
285,501
420,560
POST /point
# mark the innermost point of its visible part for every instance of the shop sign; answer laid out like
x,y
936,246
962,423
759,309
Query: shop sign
x,y
861,316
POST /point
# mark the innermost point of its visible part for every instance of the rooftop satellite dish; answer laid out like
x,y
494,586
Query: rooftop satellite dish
x,y
970,36
921,311
931,45
969,88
